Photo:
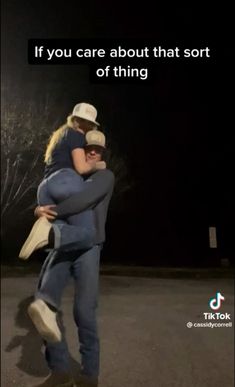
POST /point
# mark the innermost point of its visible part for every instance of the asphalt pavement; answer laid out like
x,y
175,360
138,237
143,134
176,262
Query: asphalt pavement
x,y
145,340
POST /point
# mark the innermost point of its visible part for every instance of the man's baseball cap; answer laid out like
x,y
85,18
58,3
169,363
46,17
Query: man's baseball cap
x,y
95,137
86,111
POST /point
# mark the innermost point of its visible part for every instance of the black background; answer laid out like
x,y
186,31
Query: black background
x,y
175,132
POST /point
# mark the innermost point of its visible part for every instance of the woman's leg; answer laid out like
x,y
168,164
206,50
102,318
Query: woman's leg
x,y
78,231
78,235
43,195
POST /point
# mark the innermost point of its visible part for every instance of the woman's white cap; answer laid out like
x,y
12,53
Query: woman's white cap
x,y
86,111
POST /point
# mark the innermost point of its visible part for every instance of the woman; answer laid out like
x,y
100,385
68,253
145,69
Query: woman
x,y
65,163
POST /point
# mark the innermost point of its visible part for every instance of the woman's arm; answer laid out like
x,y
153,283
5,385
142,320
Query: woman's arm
x,y
80,163
76,143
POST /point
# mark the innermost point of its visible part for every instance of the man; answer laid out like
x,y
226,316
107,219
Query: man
x,y
83,266
65,164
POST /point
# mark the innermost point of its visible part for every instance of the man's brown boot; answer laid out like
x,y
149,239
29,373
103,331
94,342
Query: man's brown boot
x,y
86,381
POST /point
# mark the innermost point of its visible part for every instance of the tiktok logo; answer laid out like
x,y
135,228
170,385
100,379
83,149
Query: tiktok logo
x,y
215,303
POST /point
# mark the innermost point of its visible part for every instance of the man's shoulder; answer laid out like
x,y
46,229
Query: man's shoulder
x,y
103,175
107,173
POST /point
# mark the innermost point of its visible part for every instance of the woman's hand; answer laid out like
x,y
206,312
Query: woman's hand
x,y
100,165
46,211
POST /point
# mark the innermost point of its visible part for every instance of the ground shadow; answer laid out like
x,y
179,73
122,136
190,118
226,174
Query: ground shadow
x,y
31,359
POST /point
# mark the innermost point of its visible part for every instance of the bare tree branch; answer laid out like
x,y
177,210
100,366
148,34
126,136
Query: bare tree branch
x,y
16,163
6,177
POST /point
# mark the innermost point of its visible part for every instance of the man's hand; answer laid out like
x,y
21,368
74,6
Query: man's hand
x,y
100,165
46,211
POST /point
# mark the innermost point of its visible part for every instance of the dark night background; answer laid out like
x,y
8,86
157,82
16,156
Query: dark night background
x,y
173,135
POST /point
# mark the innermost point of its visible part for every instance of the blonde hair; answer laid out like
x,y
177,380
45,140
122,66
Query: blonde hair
x,y
56,137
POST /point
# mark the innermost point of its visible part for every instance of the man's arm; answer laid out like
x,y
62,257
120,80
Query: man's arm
x,y
101,184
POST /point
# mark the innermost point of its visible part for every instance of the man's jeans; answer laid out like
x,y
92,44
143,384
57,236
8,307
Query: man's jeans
x,y
84,269
80,234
